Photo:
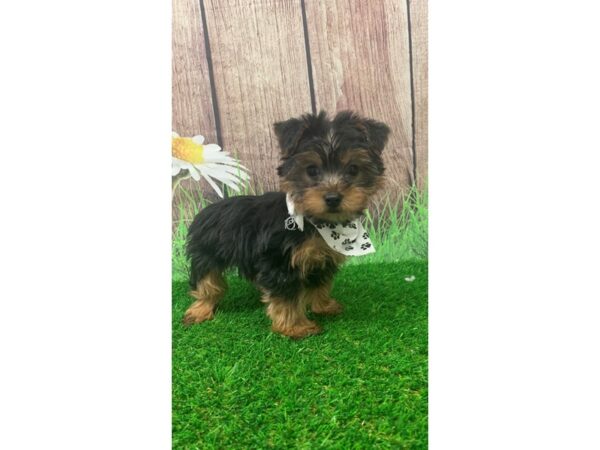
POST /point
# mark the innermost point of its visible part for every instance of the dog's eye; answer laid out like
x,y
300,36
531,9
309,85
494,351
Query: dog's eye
x,y
313,171
352,170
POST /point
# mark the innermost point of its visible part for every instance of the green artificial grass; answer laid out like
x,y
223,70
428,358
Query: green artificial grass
x,y
361,384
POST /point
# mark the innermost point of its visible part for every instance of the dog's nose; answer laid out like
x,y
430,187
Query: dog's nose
x,y
333,199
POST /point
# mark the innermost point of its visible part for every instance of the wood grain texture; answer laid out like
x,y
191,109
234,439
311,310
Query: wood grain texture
x,y
260,73
192,105
192,100
361,61
418,18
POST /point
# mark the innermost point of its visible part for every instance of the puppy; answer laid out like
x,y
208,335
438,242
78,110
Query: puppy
x,y
291,243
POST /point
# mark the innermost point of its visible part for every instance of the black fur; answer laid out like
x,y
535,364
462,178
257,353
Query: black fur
x,y
330,139
248,232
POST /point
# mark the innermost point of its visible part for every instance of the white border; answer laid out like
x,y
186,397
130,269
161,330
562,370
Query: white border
x,y
85,320
85,231
514,238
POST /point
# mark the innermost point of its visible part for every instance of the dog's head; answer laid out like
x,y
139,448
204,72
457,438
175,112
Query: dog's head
x,y
331,168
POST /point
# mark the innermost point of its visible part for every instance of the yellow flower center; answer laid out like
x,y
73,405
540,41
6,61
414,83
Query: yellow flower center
x,y
186,149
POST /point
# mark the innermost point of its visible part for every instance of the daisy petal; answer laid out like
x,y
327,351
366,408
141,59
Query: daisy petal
x,y
214,151
194,173
231,182
184,165
222,159
179,162
199,139
213,184
212,148
221,175
236,172
225,161
235,187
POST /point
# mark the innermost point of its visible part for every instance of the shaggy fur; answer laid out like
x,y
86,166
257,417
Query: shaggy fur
x,y
331,168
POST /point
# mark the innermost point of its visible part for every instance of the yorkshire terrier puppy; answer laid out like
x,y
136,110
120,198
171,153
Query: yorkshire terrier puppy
x,y
329,171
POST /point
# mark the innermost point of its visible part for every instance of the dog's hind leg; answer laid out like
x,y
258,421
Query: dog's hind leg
x,y
209,290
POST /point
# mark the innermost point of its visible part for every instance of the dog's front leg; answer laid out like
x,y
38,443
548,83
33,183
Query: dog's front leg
x,y
289,315
320,300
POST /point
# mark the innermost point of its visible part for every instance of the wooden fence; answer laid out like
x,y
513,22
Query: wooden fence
x,y
240,65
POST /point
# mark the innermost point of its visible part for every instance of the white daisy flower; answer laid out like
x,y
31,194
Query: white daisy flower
x,y
207,161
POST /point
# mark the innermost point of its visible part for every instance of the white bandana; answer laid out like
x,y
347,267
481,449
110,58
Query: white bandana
x,y
348,238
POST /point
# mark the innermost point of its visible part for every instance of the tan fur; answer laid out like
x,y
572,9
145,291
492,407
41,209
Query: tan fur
x,y
314,253
354,200
289,318
285,186
358,156
208,292
309,157
379,183
313,202
320,302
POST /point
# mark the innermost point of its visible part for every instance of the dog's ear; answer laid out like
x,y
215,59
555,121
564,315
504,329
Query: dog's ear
x,y
375,134
290,132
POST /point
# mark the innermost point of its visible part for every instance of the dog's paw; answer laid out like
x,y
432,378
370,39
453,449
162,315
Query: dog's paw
x,y
330,307
306,329
198,313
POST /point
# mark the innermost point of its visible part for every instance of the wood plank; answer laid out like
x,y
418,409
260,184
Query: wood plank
x,y
261,77
192,105
360,59
418,19
192,100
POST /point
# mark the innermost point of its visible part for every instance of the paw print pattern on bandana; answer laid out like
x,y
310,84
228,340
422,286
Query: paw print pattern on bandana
x,y
347,237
